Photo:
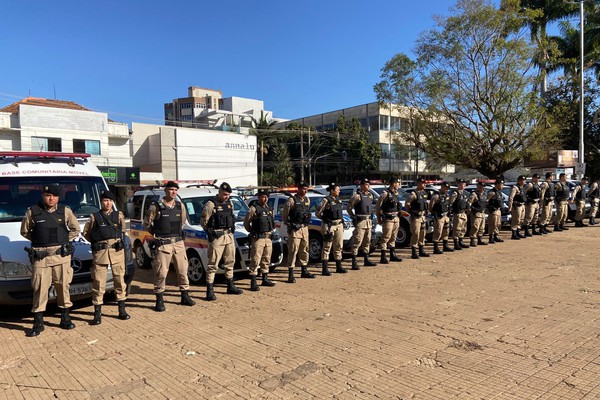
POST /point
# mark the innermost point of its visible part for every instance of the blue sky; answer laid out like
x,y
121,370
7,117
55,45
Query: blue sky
x,y
127,58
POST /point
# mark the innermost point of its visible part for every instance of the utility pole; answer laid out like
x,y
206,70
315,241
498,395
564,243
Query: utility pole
x,y
301,154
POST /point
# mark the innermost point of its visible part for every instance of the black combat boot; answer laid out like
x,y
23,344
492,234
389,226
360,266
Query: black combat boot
x,y
535,231
473,242
253,285
355,266
557,228
436,248
393,256
563,227
367,262
325,270
160,303
422,252
186,300
338,267
38,325
515,235
526,230
497,239
542,229
210,292
457,245
383,259
291,278
266,281
520,235
65,319
447,248
592,221
231,289
122,313
414,255
97,315
462,244
480,241
491,239
305,274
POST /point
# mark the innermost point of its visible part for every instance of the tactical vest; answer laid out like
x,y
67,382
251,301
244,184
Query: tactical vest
x,y
480,204
564,193
391,203
105,228
581,193
442,206
365,205
495,203
595,193
533,194
299,213
167,222
519,196
263,219
333,210
222,217
419,203
460,204
49,229
549,194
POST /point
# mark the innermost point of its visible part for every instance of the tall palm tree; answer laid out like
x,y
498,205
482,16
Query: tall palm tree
x,y
263,130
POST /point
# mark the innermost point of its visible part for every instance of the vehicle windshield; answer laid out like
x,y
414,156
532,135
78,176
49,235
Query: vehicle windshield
x,y
314,203
194,206
81,194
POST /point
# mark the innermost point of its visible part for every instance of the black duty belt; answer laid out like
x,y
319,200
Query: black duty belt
x,y
550,199
172,240
335,222
265,235
390,216
517,204
363,217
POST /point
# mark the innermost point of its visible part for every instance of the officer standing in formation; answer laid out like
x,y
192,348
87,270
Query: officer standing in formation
x,y
360,209
50,227
330,211
218,221
439,206
547,202
594,194
105,231
495,200
561,188
387,209
296,216
416,205
533,194
260,223
477,203
580,195
458,201
164,220
516,202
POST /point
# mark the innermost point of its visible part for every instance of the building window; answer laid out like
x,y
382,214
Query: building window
x,y
86,146
45,144
185,105
200,105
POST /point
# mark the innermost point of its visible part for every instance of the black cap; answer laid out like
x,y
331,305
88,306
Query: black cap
x,y
535,175
52,189
393,179
225,187
364,181
584,178
331,186
420,180
498,181
444,184
549,175
480,183
460,180
521,178
171,184
262,192
107,194
303,184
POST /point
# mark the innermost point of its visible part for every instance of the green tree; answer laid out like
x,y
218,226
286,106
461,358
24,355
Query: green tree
x,y
263,130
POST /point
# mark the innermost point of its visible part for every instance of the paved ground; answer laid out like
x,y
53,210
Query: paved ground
x,y
518,320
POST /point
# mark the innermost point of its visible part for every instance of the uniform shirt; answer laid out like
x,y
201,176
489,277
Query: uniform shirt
x,y
513,192
89,225
289,204
250,216
107,256
593,187
323,206
543,187
152,213
413,196
529,187
577,189
454,197
207,212
356,198
473,198
559,189
382,198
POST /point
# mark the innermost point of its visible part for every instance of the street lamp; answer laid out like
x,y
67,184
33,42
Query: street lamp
x,y
315,171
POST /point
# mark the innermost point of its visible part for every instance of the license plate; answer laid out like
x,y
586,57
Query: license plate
x,y
74,290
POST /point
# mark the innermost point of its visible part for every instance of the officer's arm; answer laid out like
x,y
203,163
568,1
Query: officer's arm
x,y
26,225
321,208
380,200
490,195
149,218
471,199
558,187
543,188
122,223
286,210
350,206
249,218
433,201
88,228
513,192
72,224
575,191
410,199
207,212
184,215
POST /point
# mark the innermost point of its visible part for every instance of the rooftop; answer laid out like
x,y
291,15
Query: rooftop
x,y
38,101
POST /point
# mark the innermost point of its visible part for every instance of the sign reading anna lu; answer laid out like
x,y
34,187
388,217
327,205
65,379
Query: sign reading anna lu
x,y
240,146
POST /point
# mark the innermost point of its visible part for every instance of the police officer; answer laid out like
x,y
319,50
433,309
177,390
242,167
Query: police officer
x,y
516,206
387,209
547,202
218,221
439,206
561,188
259,222
360,209
296,215
580,195
594,194
533,194
330,210
458,201
477,203
495,200
105,230
50,227
416,205
164,220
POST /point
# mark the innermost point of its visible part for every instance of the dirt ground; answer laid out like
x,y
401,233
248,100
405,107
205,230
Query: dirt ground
x,y
516,320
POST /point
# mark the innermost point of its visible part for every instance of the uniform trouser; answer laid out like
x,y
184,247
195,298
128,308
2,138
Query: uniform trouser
x,y
562,212
164,255
260,255
594,207
441,228
336,241
221,248
517,216
532,213
417,231
99,272
494,222
361,237
477,224
459,222
390,233
43,276
580,211
298,248
546,217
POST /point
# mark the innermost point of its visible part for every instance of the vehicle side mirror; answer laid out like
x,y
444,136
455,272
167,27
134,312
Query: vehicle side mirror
x,y
130,210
